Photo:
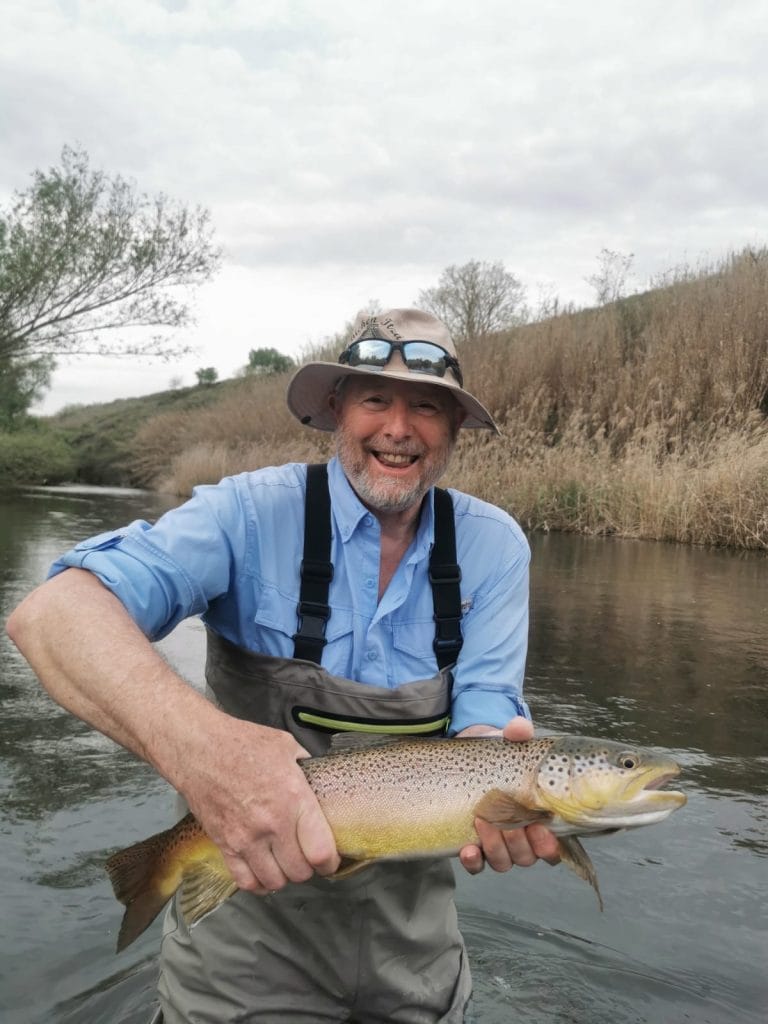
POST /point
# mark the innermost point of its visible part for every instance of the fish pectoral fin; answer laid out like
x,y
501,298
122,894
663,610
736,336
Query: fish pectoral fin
x,y
574,856
348,868
202,890
504,811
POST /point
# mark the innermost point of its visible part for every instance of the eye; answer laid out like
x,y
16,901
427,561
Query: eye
x,y
426,408
373,401
628,761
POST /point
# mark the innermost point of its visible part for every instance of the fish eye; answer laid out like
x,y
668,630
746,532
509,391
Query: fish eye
x,y
628,761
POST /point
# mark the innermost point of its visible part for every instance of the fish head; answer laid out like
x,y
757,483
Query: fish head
x,y
597,785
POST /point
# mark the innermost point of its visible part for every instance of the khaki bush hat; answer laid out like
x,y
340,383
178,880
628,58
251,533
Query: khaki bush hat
x,y
312,384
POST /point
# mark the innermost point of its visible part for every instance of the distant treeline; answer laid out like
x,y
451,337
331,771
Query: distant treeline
x,y
645,417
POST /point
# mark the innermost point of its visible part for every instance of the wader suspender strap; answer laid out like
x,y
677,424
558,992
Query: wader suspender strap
x,y
317,572
445,577
316,569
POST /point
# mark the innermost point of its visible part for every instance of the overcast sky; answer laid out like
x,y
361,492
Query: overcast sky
x,y
349,150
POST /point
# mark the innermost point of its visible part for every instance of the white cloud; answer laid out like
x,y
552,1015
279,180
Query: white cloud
x,y
346,146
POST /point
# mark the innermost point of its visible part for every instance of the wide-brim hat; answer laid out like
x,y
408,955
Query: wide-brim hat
x,y
313,383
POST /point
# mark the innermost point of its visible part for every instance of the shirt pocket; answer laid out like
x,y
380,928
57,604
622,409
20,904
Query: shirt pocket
x,y
413,642
276,621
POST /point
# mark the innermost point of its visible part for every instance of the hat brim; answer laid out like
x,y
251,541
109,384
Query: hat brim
x,y
313,383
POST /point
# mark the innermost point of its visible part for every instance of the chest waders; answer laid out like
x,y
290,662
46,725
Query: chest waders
x,y
382,946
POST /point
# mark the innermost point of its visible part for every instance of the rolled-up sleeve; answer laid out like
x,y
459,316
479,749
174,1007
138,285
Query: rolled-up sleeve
x,y
165,572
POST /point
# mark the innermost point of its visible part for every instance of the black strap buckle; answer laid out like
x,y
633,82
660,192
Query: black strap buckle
x,y
445,647
447,628
313,620
445,574
448,638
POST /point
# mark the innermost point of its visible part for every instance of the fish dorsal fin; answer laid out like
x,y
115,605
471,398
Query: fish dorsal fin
x,y
202,890
574,856
359,740
504,811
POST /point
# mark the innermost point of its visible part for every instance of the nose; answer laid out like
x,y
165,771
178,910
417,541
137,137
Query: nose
x,y
398,421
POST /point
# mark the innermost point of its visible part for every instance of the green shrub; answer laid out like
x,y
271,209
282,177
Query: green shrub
x,y
35,457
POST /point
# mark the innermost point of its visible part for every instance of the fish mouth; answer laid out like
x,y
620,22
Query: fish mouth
x,y
640,801
648,790
661,780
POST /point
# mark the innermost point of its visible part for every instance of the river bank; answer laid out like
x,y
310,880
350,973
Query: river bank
x,y
645,418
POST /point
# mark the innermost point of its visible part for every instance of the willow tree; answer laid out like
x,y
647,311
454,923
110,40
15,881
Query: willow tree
x,y
85,258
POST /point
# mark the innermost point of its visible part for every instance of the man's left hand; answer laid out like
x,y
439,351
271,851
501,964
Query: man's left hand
x,y
503,849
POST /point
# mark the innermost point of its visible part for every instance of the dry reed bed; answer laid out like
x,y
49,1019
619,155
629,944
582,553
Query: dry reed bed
x,y
645,418
717,494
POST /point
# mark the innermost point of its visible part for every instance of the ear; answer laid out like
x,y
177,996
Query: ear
x,y
460,414
335,403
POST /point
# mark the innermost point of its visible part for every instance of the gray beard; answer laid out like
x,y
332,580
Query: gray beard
x,y
384,495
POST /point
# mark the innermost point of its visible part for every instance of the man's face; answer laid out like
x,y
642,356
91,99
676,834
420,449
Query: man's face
x,y
394,439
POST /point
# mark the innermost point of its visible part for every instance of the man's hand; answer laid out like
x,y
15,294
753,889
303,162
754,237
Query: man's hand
x,y
240,780
253,800
519,846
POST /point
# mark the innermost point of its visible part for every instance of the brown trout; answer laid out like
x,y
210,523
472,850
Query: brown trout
x,y
406,799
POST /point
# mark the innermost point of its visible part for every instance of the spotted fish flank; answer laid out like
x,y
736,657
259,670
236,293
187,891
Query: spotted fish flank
x,y
402,799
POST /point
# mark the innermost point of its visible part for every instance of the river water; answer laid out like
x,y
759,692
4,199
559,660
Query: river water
x,y
655,644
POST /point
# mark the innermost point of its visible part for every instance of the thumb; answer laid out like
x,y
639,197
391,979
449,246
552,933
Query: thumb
x,y
518,729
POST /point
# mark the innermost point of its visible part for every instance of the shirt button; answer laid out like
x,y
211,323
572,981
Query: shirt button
x,y
369,520
372,655
370,582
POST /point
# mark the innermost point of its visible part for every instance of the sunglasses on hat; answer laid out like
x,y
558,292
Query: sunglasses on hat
x,y
419,356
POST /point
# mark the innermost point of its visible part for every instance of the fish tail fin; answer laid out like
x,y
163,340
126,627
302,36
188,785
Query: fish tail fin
x,y
574,856
136,874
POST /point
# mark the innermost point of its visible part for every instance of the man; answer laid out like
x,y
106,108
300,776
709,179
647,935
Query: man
x,y
348,618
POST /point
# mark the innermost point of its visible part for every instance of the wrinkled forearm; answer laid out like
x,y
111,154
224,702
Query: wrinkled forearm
x,y
240,779
94,661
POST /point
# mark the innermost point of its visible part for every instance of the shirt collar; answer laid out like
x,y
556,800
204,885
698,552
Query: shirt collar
x,y
349,512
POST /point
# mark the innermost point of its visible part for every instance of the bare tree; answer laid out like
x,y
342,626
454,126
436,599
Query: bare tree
x,y
610,280
476,299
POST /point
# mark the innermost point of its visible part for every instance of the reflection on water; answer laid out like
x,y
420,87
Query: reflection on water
x,y
658,643
652,643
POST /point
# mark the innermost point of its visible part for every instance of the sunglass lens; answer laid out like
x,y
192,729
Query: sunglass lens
x,y
423,357
369,352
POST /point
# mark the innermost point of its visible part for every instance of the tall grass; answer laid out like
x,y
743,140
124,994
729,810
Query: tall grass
x,y
644,418
249,427
715,493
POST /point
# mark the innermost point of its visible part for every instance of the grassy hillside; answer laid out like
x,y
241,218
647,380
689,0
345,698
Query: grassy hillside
x,y
644,418
102,436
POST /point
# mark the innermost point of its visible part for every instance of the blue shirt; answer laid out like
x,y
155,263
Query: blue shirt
x,y
231,554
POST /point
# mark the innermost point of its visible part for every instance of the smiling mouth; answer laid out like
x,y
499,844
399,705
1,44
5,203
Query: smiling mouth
x,y
393,460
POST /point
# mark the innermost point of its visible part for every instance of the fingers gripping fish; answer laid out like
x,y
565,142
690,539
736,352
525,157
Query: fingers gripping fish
x,y
414,798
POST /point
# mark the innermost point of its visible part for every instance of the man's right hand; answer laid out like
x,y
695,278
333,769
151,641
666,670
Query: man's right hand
x,y
241,780
252,798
